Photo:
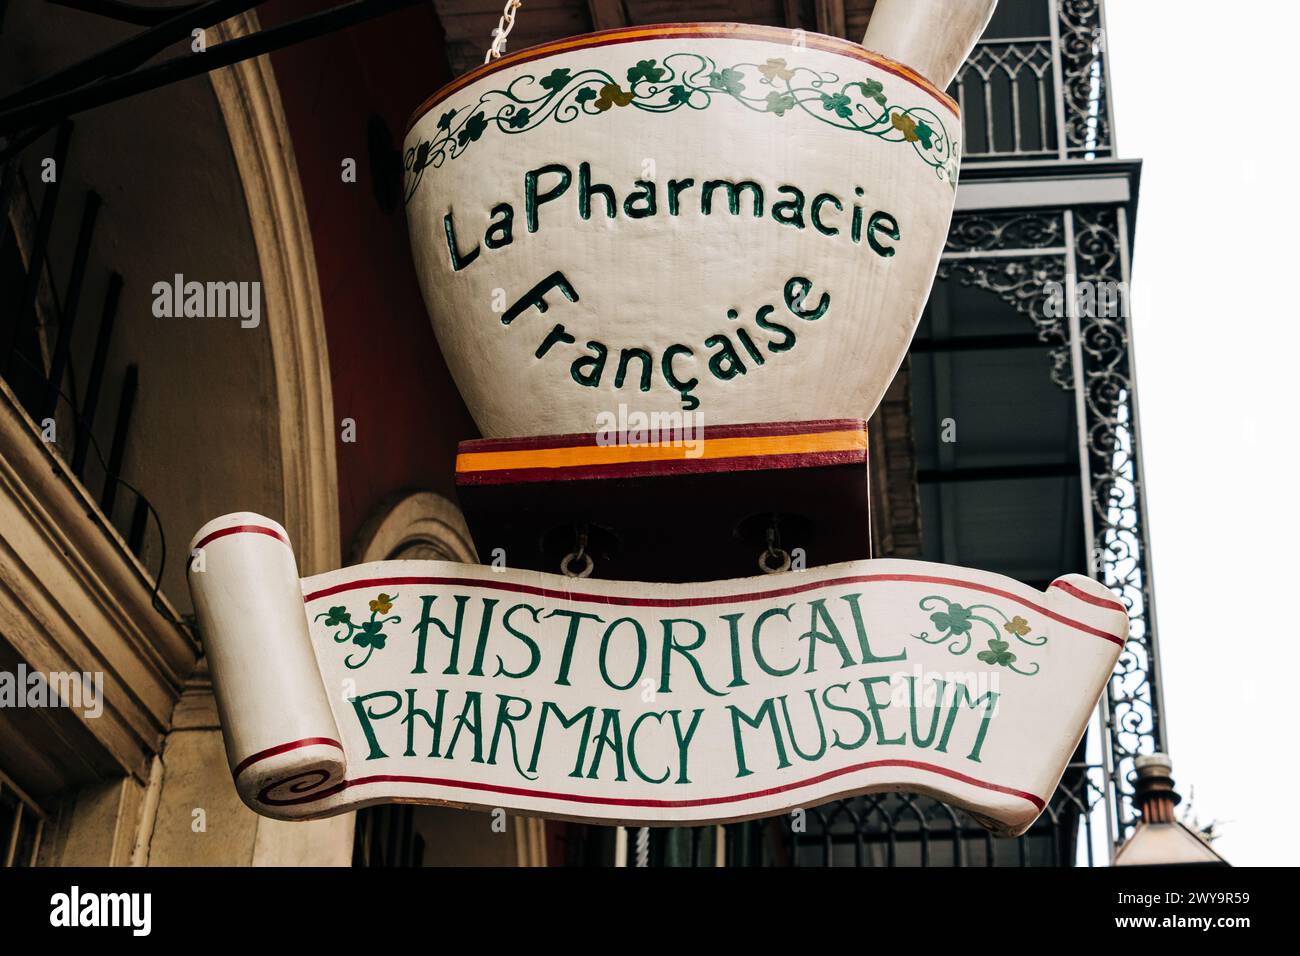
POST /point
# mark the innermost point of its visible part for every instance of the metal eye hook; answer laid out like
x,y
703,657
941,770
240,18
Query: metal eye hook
x,y
502,30
774,551
578,555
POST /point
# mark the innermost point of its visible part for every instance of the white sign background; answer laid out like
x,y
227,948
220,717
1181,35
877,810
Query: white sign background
x,y
684,704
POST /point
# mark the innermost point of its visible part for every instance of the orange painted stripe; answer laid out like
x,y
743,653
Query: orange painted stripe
x,y
589,455
736,31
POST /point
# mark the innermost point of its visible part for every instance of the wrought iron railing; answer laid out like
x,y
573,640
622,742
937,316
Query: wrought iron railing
x,y
39,316
1039,97
904,829
887,829
1018,255
385,837
22,823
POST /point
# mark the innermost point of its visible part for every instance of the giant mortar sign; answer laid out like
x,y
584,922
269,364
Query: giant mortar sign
x,y
737,219
617,702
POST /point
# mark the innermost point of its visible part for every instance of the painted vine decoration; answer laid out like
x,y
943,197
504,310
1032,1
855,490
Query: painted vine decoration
x,y
686,81
956,623
368,635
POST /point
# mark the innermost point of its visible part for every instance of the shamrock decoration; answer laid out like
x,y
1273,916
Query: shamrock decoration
x,y
611,94
645,70
556,79
925,134
955,619
371,635
778,103
775,69
337,616
905,125
474,127
873,90
678,95
997,654
957,627
727,80
683,79
1017,626
368,635
838,104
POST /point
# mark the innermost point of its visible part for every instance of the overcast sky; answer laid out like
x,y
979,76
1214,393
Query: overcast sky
x,y
1205,95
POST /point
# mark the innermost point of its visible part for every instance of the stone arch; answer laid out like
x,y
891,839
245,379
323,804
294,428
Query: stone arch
x,y
421,525
249,100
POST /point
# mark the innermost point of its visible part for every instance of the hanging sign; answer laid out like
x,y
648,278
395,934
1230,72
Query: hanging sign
x,y
738,220
634,703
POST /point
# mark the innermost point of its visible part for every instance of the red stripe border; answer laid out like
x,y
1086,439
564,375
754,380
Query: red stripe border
x,y
1037,801
649,803
704,433
1070,589
242,529
236,529
668,467
284,749
366,583
705,601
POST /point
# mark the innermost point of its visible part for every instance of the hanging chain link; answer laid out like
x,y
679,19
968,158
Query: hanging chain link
x,y
774,559
502,30
579,553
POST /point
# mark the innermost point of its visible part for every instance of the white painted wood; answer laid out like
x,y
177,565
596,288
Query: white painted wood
x,y
267,691
664,283
1029,193
665,670
73,599
931,36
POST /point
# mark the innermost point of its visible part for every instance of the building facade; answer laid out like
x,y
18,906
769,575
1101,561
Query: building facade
x,y
1009,441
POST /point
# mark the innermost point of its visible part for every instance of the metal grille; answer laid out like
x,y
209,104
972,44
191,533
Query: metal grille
x,y
902,829
1120,544
21,825
1039,97
41,309
385,836
1014,255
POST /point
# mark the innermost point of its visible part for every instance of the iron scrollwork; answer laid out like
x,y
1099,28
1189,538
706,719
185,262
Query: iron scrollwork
x,y
1118,501
1021,281
1084,97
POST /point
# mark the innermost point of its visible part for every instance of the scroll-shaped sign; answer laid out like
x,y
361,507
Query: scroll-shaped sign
x,y
618,702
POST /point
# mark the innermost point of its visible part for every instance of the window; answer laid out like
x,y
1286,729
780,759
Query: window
x,y
21,823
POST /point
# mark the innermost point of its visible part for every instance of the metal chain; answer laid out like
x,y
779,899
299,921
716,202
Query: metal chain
x,y
502,30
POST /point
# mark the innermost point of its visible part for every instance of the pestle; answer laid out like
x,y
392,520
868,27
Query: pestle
x,y
932,37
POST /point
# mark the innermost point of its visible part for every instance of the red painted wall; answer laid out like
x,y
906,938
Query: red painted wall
x,y
387,372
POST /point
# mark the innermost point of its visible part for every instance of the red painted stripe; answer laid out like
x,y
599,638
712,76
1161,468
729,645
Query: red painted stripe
x,y
242,529
701,601
285,748
633,802
709,601
588,439
238,529
1082,595
669,467
680,31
